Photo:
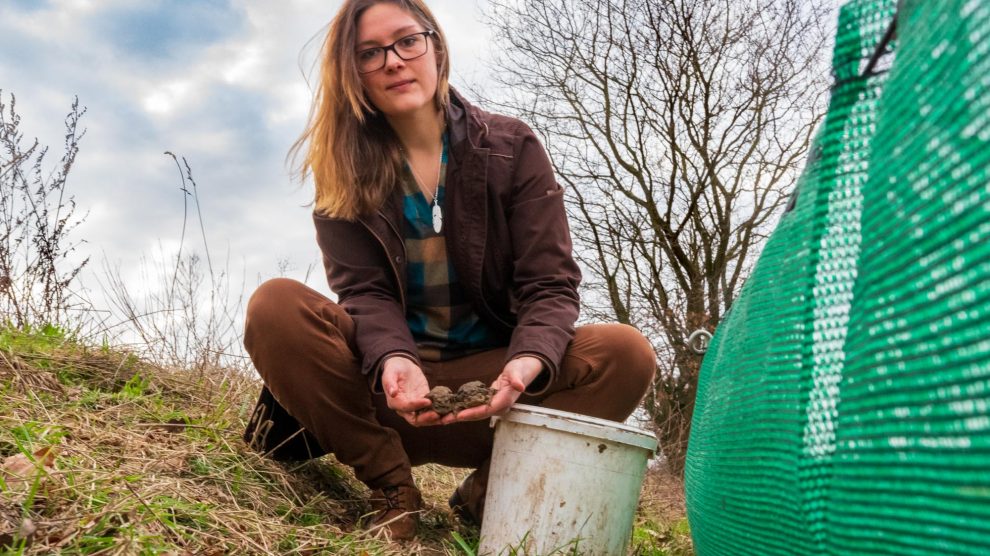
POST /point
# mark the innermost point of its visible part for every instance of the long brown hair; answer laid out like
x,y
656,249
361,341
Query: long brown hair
x,y
350,149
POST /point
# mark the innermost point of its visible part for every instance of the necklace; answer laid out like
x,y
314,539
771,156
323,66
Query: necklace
x,y
437,211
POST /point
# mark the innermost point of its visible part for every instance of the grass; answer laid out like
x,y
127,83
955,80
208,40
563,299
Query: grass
x,y
122,457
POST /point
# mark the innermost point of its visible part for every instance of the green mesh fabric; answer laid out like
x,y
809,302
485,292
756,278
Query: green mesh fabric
x,y
844,403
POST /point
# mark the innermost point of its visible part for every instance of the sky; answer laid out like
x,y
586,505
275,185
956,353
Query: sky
x,y
222,83
219,82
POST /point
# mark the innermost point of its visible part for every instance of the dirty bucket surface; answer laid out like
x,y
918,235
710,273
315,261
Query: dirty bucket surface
x,y
562,482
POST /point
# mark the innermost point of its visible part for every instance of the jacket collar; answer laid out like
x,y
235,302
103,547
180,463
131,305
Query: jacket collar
x,y
466,200
465,124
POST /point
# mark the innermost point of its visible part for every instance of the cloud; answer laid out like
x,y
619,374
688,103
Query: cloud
x,y
165,32
221,82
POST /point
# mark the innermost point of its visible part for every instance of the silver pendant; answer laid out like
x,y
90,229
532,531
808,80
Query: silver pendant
x,y
437,218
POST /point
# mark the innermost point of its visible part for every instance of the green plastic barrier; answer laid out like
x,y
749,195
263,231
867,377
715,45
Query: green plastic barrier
x,y
844,402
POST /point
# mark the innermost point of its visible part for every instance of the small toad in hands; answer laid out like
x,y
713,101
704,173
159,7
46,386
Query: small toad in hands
x,y
443,400
471,394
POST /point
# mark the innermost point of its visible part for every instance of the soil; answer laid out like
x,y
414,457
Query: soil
x,y
471,394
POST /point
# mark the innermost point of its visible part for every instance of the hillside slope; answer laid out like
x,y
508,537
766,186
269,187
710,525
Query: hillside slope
x,y
102,453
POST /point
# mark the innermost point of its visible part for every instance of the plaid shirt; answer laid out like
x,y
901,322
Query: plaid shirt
x,y
438,311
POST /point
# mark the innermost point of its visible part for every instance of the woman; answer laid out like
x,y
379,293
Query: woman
x,y
444,236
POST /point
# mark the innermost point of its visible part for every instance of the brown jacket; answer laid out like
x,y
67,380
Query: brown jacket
x,y
507,238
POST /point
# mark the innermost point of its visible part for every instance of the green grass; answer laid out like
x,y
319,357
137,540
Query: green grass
x,y
150,461
673,538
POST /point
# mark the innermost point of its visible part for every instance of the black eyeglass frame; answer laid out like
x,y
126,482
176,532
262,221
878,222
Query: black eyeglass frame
x,y
426,34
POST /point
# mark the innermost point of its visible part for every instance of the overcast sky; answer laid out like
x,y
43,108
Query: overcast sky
x,y
216,81
219,82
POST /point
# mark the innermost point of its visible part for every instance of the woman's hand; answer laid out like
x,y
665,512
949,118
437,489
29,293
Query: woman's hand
x,y
515,377
405,389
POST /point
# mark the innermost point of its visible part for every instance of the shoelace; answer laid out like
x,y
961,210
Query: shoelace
x,y
259,437
392,500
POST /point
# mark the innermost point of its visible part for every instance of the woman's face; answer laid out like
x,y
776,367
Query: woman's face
x,y
402,87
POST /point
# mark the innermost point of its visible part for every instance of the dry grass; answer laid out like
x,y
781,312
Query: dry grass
x,y
146,460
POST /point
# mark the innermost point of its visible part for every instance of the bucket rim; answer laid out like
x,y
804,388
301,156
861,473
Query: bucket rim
x,y
577,423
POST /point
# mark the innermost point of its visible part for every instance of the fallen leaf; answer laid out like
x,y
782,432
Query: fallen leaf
x,y
20,469
46,456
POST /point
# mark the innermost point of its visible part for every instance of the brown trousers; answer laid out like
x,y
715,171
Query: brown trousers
x,y
302,346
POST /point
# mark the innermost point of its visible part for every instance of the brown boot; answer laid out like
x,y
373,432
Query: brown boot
x,y
396,511
468,500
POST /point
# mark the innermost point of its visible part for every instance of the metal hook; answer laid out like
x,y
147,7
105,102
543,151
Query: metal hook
x,y
698,341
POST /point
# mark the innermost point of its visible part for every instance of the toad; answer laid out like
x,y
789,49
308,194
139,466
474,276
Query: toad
x,y
443,400
471,394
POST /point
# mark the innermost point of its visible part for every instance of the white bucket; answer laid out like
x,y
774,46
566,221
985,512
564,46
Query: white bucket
x,y
562,483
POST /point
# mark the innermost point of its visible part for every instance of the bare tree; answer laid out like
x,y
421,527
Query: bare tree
x,y
679,126
37,216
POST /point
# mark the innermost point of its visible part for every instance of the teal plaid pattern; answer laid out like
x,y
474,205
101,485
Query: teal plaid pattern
x,y
442,320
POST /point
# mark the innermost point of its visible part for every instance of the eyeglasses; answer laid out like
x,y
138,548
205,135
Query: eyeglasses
x,y
407,48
